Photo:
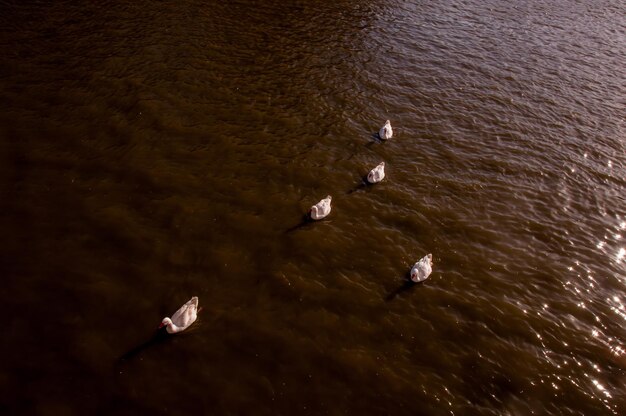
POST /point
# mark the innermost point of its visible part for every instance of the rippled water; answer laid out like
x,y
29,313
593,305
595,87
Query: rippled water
x,y
155,150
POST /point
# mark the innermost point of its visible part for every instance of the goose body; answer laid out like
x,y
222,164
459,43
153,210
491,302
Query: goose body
x,y
321,209
377,174
386,132
422,269
182,318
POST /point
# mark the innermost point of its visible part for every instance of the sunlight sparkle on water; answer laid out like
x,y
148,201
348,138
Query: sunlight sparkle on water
x,y
620,254
601,388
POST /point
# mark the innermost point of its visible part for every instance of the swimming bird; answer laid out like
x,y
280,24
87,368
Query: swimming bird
x,y
377,174
182,318
422,269
386,132
321,209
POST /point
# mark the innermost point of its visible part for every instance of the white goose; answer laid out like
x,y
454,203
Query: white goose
x,y
183,317
321,209
377,174
422,269
386,132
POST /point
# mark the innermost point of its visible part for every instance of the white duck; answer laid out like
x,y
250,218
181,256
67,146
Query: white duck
x,y
422,269
377,174
183,317
386,132
321,209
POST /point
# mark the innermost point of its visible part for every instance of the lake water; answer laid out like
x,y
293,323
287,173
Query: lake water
x,y
151,151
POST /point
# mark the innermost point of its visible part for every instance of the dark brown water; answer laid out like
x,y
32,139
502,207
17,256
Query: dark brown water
x,y
155,150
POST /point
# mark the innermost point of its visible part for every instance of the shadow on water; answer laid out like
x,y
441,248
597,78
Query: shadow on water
x,y
375,139
157,338
305,222
364,184
407,285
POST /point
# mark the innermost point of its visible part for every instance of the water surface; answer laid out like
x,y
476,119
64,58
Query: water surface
x,y
152,151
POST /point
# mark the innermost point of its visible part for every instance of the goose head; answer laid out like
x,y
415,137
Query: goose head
x,y
165,322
